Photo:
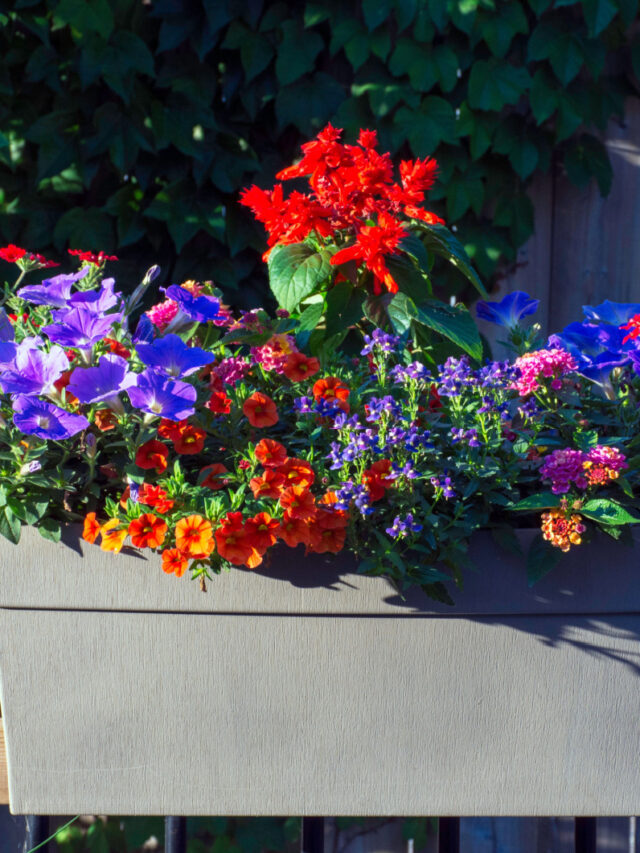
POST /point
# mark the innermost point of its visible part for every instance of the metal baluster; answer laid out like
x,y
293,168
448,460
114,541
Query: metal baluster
x,y
312,835
175,834
37,832
585,835
448,835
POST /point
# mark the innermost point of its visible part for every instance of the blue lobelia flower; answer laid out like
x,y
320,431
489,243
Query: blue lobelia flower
x,y
33,371
171,355
54,291
509,311
80,327
41,418
102,383
200,309
614,313
158,395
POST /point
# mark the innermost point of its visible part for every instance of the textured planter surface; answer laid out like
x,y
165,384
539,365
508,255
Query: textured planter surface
x,y
303,689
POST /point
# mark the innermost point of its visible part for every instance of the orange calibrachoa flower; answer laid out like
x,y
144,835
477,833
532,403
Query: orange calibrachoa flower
x,y
262,531
117,348
232,541
294,531
156,497
270,453
332,389
299,367
152,454
297,472
377,479
105,419
218,403
189,440
328,532
147,531
299,502
194,536
214,478
174,562
269,485
91,528
169,429
112,536
260,410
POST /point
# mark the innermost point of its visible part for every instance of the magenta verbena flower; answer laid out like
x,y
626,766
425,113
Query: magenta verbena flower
x,y
563,468
231,369
41,418
542,364
163,313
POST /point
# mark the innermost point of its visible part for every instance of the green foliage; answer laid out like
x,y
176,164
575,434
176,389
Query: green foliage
x,y
131,127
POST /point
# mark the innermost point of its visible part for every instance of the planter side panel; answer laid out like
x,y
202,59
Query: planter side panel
x,y
258,715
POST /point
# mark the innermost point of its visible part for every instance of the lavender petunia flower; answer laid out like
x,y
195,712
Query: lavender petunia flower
x,y
102,383
171,355
168,398
509,311
201,309
80,327
97,301
38,417
33,371
54,291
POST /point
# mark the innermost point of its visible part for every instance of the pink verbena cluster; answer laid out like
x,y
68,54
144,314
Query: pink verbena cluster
x,y
603,464
542,364
564,467
231,369
273,355
595,468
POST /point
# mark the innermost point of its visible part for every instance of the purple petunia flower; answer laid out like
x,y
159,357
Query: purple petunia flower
x,y
54,291
201,309
97,301
7,332
615,313
171,355
144,331
38,417
102,383
167,398
509,311
33,371
80,327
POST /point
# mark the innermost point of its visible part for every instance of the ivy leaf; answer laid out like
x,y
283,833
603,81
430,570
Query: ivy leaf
x,y
541,559
309,103
297,52
441,241
376,12
494,84
498,30
453,322
544,95
87,16
598,14
585,158
296,271
562,48
543,500
608,512
434,122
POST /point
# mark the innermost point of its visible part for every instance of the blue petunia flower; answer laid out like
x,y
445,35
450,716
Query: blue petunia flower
x,y
200,309
38,417
144,331
167,398
509,311
80,327
171,355
33,371
103,382
614,313
7,332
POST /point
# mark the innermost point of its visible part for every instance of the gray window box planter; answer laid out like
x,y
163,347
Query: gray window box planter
x,y
304,689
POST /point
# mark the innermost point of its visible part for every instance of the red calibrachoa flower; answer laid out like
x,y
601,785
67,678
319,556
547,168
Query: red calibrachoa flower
x,y
328,532
194,537
147,531
377,479
12,253
262,531
297,472
214,476
169,429
270,453
269,485
152,454
299,367
156,497
174,562
218,403
298,502
260,410
232,541
189,440
117,348
105,419
294,531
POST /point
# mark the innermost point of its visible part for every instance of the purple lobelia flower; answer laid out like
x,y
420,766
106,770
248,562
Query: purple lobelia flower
x,y
509,311
403,526
33,371
38,417
102,383
158,395
199,309
54,291
80,327
171,355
